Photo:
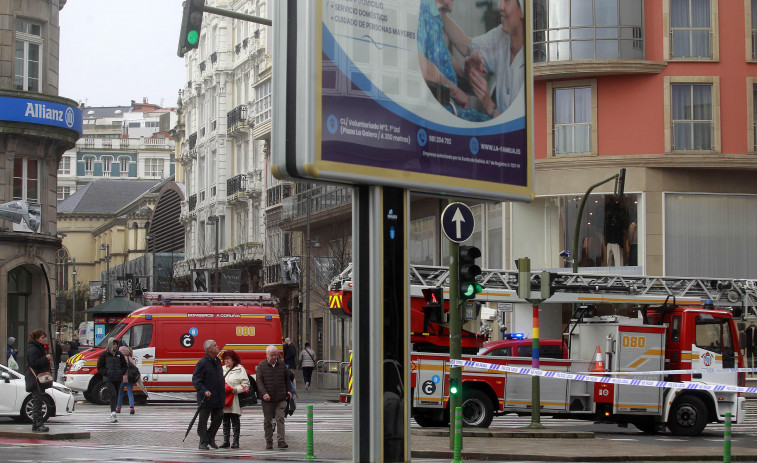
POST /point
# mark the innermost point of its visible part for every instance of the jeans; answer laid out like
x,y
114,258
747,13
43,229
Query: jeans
x,y
112,394
307,374
129,390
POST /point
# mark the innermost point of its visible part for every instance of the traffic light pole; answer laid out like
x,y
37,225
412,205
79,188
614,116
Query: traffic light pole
x,y
235,15
455,340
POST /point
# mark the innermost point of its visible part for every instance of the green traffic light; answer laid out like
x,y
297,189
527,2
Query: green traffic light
x,y
192,37
453,389
470,290
479,288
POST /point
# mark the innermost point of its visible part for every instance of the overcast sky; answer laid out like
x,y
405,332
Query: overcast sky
x,y
112,52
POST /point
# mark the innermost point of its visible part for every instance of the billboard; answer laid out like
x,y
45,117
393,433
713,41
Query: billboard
x,y
428,95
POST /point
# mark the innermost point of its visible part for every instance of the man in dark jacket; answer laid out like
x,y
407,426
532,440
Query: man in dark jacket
x,y
112,367
38,361
290,354
210,384
274,386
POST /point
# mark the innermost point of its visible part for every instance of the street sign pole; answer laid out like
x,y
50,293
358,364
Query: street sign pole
x,y
455,327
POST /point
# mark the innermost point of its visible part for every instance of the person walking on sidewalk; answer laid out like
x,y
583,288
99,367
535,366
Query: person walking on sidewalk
x,y
290,354
236,383
208,380
112,367
38,361
128,355
307,363
274,386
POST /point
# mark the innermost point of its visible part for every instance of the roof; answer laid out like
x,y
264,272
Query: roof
x,y
101,112
117,305
106,195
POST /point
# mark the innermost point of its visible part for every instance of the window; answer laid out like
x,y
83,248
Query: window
x,y
691,29
107,162
153,167
89,165
715,336
63,192
26,180
28,57
263,102
751,97
752,29
691,114
422,241
138,337
133,125
124,166
692,117
64,168
572,113
588,29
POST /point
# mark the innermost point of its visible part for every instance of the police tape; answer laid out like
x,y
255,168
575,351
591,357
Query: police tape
x,y
678,372
600,379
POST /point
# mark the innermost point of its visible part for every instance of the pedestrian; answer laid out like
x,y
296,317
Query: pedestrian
x,y
290,354
57,354
274,386
236,382
38,361
307,363
73,347
208,380
112,367
129,357
12,351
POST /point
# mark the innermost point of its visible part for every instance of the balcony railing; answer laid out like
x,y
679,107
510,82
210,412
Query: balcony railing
x,y
236,184
572,139
214,57
192,202
236,120
123,143
202,66
693,136
192,141
276,194
273,274
322,198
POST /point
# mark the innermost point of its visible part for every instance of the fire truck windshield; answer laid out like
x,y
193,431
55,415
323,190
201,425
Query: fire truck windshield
x,y
111,334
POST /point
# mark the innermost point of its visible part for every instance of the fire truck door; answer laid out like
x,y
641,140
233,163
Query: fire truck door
x,y
430,380
713,348
639,349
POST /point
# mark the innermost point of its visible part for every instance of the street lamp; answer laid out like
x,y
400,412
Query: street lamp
x,y
106,248
73,296
620,180
213,220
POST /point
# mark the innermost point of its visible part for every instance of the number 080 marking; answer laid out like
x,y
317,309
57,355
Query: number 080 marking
x,y
245,331
634,341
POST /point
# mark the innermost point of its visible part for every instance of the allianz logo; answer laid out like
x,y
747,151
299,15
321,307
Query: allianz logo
x,y
41,111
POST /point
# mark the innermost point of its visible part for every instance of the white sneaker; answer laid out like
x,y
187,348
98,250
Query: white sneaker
x,y
307,386
113,418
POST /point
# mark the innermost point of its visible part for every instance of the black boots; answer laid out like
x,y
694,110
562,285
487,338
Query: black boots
x,y
235,442
226,433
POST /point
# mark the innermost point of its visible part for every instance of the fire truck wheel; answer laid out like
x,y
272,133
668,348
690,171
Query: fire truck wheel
x,y
100,394
688,417
477,409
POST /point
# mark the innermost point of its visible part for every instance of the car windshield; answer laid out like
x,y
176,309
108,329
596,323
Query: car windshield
x,y
111,334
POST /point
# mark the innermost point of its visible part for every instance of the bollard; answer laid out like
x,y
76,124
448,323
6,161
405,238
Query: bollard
x,y
727,439
458,435
309,446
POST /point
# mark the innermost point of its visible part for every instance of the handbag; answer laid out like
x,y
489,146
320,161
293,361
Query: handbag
x,y
250,397
290,407
132,373
45,379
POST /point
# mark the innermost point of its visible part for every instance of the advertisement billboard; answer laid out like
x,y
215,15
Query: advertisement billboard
x,y
428,95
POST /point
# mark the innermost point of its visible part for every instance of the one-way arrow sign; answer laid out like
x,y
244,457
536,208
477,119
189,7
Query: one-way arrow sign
x,y
457,222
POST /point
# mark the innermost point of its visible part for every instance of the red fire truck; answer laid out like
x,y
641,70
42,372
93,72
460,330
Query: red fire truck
x,y
167,339
679,328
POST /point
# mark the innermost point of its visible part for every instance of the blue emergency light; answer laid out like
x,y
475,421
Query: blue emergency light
x,y
515,336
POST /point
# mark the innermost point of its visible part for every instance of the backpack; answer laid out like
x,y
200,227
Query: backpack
x,y
132,373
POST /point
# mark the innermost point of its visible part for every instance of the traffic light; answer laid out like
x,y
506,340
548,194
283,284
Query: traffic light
x,y
433,311
468,271
191,23
454,387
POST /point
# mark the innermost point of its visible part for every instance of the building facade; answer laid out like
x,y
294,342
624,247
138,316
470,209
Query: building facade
x,y
36,127
130,142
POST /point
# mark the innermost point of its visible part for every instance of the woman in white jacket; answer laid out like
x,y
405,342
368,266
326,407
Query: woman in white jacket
x,y
236,382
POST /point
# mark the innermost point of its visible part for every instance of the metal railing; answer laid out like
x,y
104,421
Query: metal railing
x,y
236,184
572,139
332,375
192,202
236,118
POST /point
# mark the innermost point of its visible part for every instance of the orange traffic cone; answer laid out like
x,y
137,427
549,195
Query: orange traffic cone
x,y
599,364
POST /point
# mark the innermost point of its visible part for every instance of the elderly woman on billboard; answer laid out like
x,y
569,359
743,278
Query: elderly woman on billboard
x,y
499,51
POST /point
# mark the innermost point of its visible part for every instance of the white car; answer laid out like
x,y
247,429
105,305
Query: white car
x,y
16,402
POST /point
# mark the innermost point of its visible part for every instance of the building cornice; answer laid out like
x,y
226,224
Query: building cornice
x,y
589,68
660,161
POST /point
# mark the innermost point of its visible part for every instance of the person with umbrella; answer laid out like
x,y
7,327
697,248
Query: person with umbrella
x,y
210,384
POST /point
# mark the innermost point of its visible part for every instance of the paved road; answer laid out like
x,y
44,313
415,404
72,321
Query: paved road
x,y
155,433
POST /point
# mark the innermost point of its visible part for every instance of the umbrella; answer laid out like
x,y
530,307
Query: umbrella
x,y
192,423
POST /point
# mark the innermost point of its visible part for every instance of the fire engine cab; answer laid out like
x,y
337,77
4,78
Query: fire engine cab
x,y
651,329
167,339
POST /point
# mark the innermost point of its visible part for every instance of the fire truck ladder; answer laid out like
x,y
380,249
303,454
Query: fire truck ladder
x,y
204,298
583,288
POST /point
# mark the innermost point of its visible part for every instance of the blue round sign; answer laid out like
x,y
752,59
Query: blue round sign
x,y
457,222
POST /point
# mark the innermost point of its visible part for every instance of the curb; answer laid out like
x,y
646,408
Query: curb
x,y
480,456
51,435
508,434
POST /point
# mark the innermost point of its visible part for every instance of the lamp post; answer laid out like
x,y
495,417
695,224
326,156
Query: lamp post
x,y
106,248
73,296
620,180
213,220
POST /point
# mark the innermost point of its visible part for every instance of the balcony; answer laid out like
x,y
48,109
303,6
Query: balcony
x,y
236,188
326,202
272,275
192,201
214,57
142,143
276,194
236,121
202,67
192,141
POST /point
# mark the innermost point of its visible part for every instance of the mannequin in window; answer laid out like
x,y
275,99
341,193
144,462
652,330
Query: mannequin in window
x,y
632,247
616,224
592,248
